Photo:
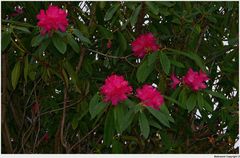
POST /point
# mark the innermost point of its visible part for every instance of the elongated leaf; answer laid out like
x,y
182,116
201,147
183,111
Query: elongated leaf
x,y
134,16
122,42
108,128
191,102
216,94
70,71
155,124
190,55
42,47
37,40
59,44
119,117
26,68
207,106
200,100
127,120
152,58
23,29
182,98
74,123
105,33
116,147
176,63
111,11
144,71
165,62
152,7
95,107
73,43
144,125
6,39
159,115
84,39
16,74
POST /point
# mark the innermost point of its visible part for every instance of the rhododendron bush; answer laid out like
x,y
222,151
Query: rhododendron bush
x,y
119,77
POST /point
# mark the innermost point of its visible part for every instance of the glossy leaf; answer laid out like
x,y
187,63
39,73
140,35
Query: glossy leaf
x,y
165,62
134,16
59,44
111,11
108,128
144,125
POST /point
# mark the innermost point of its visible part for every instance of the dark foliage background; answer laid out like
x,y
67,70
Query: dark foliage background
x,y
42,86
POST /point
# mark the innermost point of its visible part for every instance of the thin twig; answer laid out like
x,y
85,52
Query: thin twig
x,y
84,137
200,38
110,56
64,114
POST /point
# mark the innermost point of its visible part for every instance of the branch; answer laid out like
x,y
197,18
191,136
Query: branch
x,y
64,114
200,38
84,137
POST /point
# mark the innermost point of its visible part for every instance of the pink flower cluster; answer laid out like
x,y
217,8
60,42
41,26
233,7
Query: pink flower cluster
x,y
144,44
150,96
194,80
54,19
116,89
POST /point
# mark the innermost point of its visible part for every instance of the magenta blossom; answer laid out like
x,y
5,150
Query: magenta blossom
x,y
195,80
150,96
115,89
53,19
144,44
175,81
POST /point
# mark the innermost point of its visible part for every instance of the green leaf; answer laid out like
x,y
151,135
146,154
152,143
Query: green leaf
x,y
84,39
144,125
144,71
37,40
151,58
178,64
190,55
116,147
176,21
200,100
74,123
127,120
59,44
96,107
216,94
134,16
191,102
167,4
70,71
159,115
165,111
16,74
154,124
122,42
165,62
182,98
6,39
108,128
111,11
152,7
207,106
26,68
119,118
24,29
212,19
43,46
73,43
105,33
